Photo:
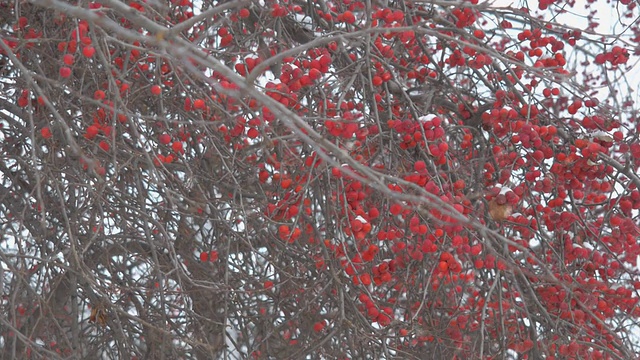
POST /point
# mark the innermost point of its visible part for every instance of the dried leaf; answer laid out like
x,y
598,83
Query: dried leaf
x,y
98,315
499,212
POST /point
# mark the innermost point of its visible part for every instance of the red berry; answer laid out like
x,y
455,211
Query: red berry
x,y
198,104
383,319
23,101
68,59
99,95
46,132
213,255
101,171
253,133
241,69
443,266
317,327
104,145
23,22
348,17
177,147
65,72
244,13
325,60
204,256
92,131
226,40
315,74
88,51
156,90
165,139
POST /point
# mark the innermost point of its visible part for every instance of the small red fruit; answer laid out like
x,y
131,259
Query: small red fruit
x,y
92,131
244,13
383,319
198,104
177,147
443,266
23,101
213,255
22,22
165,139
348,17
101,171
226,40
317,327
65,72
286,183
315,74
88,51
104,145
204,256
156,90
253,133
68,59
99,95
46,132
